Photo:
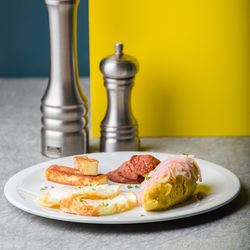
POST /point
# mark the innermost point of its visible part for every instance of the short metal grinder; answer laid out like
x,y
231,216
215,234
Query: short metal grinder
x,y
64,106
119,128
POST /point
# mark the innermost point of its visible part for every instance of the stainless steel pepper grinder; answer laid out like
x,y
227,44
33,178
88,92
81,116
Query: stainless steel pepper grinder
x,y
119,129
64,105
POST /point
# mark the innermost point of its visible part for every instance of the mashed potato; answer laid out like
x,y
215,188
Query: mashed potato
x,y
172,182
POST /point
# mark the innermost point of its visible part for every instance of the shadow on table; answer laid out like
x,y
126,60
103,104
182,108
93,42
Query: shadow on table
x,y
238,203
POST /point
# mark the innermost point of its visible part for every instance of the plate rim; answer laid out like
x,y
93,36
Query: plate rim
x,y
10,191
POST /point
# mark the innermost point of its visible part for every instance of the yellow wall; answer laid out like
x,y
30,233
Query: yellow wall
x,y
194,64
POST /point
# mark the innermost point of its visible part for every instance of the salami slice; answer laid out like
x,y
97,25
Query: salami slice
x,y
133,171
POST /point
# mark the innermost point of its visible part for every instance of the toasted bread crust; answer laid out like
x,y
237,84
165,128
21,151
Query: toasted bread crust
x,y
85,165
85,158
70,176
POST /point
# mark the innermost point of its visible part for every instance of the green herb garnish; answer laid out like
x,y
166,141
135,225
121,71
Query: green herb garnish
x,y
52,187
200,195
105,204
81,200
90,185
129,186
185,154
136,186
93,189
142,215
43,188
146,176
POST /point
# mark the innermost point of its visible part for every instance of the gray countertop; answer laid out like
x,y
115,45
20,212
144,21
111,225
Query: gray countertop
x,y
225,228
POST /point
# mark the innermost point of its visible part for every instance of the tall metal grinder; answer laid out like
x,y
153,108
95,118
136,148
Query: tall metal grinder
x,y
64,105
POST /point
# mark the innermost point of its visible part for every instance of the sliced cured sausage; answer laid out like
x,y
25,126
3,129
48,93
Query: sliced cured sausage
x,y
133,171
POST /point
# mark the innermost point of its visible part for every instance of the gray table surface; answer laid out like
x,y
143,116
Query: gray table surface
x,y
224,228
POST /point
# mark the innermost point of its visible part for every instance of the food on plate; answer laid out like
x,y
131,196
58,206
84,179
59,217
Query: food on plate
x,y
56,195
120,203
70,176
133,171
171,182
163,184
89,200
85,165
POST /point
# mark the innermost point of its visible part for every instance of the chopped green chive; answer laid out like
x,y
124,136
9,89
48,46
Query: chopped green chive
x,y
185,154
81,200
52,187
105,204
93,189
142,215
136,186
129,186
43,188
90,185
200,195
147,177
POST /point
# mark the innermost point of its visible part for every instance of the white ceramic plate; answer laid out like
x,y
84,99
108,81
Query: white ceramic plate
x,y
220,184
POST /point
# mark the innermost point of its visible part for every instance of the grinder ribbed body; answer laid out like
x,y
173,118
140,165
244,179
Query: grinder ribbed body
x,y
119,128
64,105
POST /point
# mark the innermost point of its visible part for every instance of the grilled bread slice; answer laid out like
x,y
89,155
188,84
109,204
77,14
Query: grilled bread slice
x,y
70,176
120,203
85,165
